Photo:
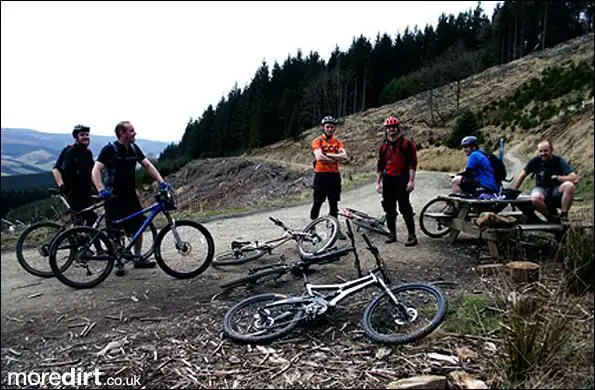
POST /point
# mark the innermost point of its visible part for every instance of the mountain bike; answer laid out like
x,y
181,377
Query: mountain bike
x,y
363,220
33,244
391,317
274,272
73,246
319,235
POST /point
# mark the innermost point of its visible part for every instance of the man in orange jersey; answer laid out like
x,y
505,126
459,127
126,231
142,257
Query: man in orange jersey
x,y
328,152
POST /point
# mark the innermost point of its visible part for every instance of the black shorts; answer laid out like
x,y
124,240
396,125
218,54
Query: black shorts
x,y
122,207
469,185
327,185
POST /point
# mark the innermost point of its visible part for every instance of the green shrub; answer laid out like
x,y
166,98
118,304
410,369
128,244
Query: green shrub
x,y
466,124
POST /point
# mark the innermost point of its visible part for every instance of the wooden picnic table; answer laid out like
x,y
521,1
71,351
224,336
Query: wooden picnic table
x,y
521,208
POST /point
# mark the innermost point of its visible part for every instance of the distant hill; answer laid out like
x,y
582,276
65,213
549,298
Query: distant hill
x,y
26,151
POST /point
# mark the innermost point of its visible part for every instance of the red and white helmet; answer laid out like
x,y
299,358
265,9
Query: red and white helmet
x,y
392,121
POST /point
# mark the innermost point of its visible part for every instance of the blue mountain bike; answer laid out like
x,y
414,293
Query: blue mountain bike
x,y
73,252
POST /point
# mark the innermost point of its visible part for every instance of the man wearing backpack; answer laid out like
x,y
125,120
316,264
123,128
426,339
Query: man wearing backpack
x,y
395,178
72,173
119,159
479,172
555,182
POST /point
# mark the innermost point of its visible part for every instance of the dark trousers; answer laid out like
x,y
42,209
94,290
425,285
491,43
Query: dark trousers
x,y
327,185
394,190
79,202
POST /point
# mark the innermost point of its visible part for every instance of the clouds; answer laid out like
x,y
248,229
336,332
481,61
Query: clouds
x,y
158,64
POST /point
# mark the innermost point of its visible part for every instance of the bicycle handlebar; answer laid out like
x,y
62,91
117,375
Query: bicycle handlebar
x,y
278,222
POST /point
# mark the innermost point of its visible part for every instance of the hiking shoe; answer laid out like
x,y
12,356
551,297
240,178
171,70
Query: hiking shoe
x,y
563,218
392,238
143,263
411,241
120,271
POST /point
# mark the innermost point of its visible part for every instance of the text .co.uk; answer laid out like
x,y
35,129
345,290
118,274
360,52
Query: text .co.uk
x,y
74,377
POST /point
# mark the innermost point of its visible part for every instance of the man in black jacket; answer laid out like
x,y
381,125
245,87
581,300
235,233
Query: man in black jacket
x,y
72,173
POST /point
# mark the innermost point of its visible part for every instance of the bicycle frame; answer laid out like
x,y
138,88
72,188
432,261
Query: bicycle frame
x,y
339,291
272,244
154,209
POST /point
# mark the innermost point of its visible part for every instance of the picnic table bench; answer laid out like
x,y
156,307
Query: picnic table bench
x,y
469,209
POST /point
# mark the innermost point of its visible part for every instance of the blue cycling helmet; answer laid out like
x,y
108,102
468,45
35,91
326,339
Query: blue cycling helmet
x,y
469,140
328,119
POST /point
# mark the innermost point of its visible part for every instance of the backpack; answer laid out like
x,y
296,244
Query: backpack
x,y
408,151
109,175
497,166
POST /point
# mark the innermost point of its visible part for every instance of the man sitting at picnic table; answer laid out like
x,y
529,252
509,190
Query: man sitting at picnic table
x,y
478,177
555,183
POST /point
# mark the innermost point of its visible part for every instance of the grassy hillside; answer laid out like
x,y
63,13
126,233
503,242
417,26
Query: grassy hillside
x,y
570,126
26,151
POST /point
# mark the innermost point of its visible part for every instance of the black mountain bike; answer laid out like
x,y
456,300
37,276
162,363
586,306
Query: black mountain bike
x,y
319,235
33,245
399,315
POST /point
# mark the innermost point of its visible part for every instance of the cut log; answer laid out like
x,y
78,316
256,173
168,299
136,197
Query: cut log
x,y
420,382
524,271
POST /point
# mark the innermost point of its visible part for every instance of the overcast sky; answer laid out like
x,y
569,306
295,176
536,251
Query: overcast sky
x,y
159,64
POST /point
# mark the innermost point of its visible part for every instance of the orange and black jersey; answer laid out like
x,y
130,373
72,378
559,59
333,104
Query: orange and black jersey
x,y
331,145
397,158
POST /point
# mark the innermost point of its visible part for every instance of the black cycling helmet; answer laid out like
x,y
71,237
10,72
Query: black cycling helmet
x,y
328,119
78,128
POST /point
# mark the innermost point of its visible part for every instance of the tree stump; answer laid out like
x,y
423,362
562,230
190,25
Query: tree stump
x,y
524,271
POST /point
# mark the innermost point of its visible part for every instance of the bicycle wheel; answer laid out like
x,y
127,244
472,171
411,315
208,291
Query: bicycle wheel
x,y
257,277
189,239
33,248
432,217
388,323
72,255
240,257
321,235
250,321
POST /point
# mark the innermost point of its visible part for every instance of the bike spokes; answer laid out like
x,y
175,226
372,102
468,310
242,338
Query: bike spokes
x,y
319,236
80,257
405,313
255,319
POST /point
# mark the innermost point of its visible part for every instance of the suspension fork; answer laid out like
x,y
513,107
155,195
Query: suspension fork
x,y
172,222
400,307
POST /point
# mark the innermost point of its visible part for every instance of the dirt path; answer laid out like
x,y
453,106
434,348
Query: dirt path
x,y
35,311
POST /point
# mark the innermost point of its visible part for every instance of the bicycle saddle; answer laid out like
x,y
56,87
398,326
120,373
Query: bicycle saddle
x,y
330,254
235,244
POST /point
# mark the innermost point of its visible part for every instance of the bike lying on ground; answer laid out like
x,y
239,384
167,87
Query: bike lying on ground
x,y
274,272
33,245
319,235
72,249
391,317
365,221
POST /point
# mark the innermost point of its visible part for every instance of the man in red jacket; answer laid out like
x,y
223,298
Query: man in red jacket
x,y
395,178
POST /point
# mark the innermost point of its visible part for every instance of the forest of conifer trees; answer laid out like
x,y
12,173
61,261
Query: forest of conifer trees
x,y
284,99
